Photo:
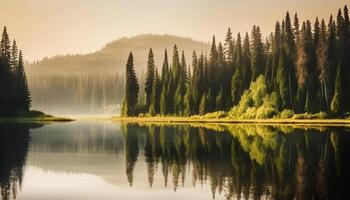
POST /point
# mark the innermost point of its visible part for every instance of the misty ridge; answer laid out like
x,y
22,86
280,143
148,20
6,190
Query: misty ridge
x,y
94,83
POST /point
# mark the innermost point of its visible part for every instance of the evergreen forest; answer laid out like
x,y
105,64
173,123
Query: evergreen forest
x,y
303,67
15,97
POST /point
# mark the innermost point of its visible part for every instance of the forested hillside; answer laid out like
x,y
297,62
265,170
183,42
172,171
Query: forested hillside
x,y
302,67
94,83
112,57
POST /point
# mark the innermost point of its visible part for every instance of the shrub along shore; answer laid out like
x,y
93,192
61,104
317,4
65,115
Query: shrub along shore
x,y
219,118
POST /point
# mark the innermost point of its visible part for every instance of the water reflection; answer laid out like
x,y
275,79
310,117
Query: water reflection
x,y
14,143
231,162
246,161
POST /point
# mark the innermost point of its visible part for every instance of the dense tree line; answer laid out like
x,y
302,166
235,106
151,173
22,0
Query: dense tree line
x,y
305,68
14,93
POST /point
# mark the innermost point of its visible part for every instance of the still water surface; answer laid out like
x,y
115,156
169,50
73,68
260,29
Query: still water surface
x,y
104,160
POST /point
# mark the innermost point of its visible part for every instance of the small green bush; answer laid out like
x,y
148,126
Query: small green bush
x,y
264,112
285,114
301,116
256,103
216,115
320,115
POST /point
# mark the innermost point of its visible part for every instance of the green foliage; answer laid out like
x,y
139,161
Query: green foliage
x,y
216,115
155,98
237,85
15,96
203,105
298,67
282,82
189,103
320,115
150,77
219,101
286,114
179,97
257,53
255,103
131,89
164,100
337,102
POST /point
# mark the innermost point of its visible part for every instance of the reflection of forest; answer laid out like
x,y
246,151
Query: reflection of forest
x,y
245,161
239,161
14,143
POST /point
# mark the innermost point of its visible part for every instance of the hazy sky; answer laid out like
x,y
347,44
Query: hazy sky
x,y
49,27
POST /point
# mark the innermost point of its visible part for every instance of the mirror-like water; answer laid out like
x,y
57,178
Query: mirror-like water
x,y
102,160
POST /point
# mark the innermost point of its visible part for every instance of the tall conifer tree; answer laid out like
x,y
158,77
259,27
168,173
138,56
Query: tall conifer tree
x,y
149,78
131,89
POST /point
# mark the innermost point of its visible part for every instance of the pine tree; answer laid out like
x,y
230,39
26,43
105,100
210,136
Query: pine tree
x,y
332,55
223,79
312,67
165,68
149,78
203,105
219,101
176,66
5,48
184,67
14,91
282,80
289,49
238,59
6,97
302,68
198,78
170,95
247,73
323,66
23,99
229,46
210,101
276,49
213,71
131,89
179,97
156,93
237,85
189,103
337,105
164,99
14,55
257,53
296,28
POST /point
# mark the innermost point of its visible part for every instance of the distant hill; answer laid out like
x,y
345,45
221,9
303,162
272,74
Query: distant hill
x,y
112,57
94,83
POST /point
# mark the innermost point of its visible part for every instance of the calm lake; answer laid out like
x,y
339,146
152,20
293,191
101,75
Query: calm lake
x,y
105,160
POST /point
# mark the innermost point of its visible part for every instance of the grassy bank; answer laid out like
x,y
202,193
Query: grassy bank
x,y
34,117
199,119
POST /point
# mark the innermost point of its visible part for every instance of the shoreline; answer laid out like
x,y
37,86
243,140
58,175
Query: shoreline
x,y
183,120
39,120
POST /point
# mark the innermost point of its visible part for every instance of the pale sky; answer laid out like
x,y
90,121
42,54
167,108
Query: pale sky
x,y
49,27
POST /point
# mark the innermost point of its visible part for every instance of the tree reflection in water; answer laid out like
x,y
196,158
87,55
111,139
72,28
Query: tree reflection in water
x,y
237,161
14,144
245,161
